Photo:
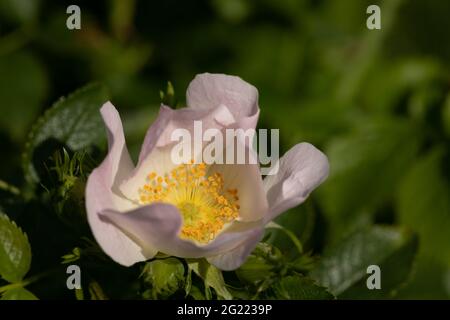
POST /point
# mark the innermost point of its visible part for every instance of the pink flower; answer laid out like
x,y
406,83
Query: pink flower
x,y
193,210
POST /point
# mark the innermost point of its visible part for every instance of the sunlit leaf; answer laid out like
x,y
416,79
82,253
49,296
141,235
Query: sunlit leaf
x,y
15,251
162,277
211,275
74,122
18,294
260,265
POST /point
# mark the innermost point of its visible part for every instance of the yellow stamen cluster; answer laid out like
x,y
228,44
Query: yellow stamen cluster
x,y
204,204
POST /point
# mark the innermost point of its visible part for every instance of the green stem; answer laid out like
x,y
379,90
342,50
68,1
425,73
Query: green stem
x,y
289,233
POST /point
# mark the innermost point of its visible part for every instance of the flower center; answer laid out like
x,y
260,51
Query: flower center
x,y
205,206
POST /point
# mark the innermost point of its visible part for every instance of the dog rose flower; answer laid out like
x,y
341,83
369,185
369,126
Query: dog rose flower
x,y
193,209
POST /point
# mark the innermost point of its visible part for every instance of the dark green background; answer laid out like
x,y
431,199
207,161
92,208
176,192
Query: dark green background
x,y
376,102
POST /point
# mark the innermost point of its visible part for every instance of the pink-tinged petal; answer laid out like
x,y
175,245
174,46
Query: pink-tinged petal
x,y
234,258
208,91
159,224
185,118
102,193
229,102
155,131
168,120
300,171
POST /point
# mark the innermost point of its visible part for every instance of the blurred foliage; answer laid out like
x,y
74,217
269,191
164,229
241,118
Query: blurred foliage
x,y
377,102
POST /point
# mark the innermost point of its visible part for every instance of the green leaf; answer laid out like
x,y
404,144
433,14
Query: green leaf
x,y
260,264
18,294
19,11
21,101
375,155
74,122
211,276
430,280
392,81
196,293
396,272
188,283
163,277
304,263
392,249
300,288
15,251
311,122
423,203
71,257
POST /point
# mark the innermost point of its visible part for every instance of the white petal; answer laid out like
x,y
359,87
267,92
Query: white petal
x,y
102,193
300,171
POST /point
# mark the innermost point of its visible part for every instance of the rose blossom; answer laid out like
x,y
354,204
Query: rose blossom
x,y
193,210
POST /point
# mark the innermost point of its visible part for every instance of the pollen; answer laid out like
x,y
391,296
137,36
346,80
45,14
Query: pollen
x,y
205,206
